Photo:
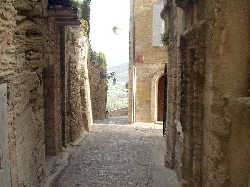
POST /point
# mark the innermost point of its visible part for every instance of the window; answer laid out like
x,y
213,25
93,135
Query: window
x,y
158,25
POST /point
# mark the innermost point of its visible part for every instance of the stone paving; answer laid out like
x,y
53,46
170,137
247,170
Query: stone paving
x,y
115,154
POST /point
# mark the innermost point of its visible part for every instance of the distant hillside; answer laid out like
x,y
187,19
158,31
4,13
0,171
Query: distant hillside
x,y
117,93
121,71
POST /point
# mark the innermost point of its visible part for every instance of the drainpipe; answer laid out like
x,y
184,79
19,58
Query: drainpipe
x,y
134,93
165,99
133,65
163,16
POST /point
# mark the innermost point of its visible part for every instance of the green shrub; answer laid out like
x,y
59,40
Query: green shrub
x,y
165,38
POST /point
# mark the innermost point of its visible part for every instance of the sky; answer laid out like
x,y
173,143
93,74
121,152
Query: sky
x,y
104,15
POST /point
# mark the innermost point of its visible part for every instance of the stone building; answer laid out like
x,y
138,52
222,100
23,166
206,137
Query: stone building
x,y
208,116
147,62
98,86
44,97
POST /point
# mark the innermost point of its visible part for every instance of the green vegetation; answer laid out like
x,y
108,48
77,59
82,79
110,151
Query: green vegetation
x,y
99,59
112,76
82,76
165,38
85,25
117,93
126,85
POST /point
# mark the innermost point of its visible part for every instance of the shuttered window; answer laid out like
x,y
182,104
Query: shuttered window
x,y
158,25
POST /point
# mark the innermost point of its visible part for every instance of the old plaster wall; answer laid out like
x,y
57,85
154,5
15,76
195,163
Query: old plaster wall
x,y
204,137
98,89
148,59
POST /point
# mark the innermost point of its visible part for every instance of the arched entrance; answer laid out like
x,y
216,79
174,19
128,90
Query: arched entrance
x,y
160,102
154,94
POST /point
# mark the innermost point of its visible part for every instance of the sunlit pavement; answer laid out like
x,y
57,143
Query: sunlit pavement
x,y
117,154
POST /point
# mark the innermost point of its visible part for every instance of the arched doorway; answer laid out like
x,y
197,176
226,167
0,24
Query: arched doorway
x,y
160,103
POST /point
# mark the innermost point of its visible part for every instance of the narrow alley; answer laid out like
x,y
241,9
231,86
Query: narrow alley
x,y
116,154
175,67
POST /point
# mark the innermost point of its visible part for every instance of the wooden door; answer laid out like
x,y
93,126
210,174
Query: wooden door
x,y
160,109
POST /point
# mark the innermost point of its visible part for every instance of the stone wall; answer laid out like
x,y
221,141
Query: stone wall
x,y
31,59
144,89
77,47
52,90
8,68
98,89
26,93
147,59
207,83
119,112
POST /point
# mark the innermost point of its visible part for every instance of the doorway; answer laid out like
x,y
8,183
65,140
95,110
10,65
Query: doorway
x,y
160,105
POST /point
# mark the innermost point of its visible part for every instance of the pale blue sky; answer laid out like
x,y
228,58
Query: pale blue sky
x,y
104,16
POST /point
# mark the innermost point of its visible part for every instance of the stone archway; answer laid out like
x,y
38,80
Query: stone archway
x,y
154,94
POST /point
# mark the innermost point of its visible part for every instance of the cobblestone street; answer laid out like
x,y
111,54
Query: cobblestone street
x,y
115,154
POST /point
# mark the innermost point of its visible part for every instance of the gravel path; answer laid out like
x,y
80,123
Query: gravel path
x,y
115,155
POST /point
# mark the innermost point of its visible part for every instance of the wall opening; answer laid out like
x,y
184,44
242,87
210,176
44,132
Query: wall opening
x,y
160,100
113,68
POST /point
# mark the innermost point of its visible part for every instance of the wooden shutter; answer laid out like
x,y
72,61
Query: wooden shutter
x,y
158,25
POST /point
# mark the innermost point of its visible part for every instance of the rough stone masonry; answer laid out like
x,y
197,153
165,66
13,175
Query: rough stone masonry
x,y
45,109
208,92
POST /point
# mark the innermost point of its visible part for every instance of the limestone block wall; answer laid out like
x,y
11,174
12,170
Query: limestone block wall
x,y
209,84
144,89
148,60
98,90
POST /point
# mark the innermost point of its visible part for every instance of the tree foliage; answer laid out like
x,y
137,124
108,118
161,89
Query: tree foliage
x,y
99,59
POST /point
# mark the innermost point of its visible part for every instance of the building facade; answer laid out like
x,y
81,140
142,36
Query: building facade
x,y
147,62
